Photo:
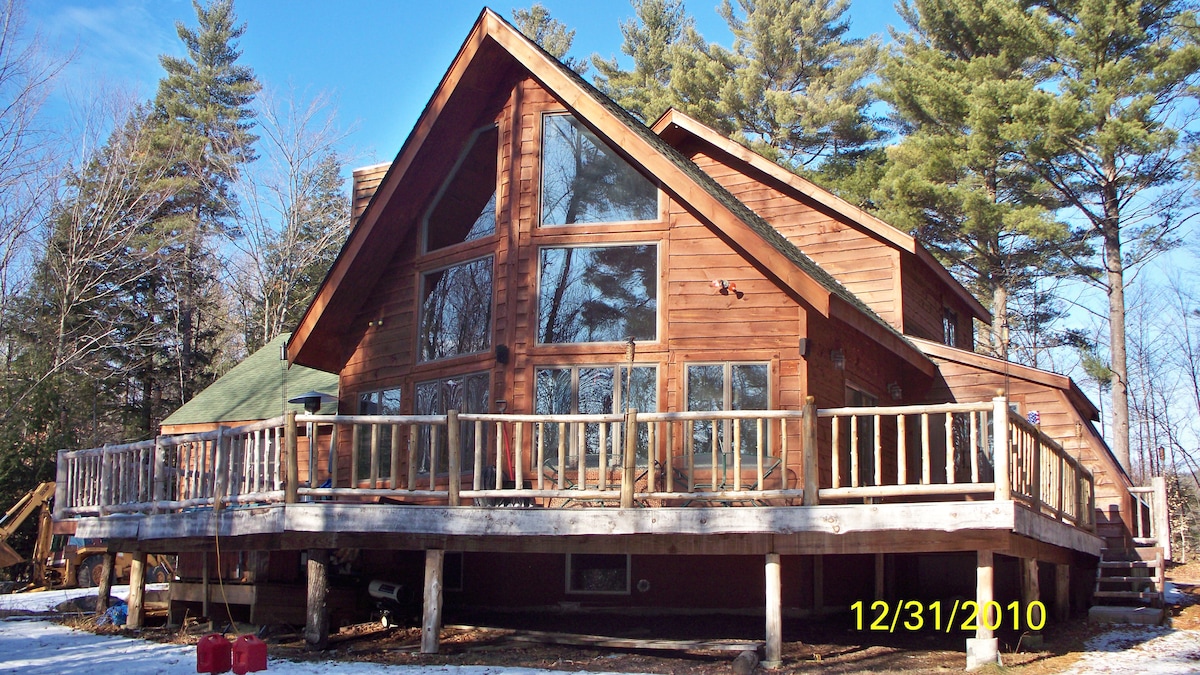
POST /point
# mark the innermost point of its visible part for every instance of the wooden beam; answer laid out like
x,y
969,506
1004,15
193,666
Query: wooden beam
x,y
137,592
316,627
431,623
1031,590
774,612
1062,592
818,576
880,566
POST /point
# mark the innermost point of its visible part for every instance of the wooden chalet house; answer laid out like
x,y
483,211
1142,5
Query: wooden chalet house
x,y
588,363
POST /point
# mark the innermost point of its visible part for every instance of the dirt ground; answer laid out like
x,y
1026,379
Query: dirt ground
x,y
829,645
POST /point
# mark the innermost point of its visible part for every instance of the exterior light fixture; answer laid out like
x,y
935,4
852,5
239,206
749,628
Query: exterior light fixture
x,y
839,359
895,391
313,400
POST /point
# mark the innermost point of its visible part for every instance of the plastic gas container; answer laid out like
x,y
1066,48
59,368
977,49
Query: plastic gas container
x,y
249,655
213,654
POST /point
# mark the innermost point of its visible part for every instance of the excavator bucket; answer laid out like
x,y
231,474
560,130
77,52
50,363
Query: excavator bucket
x,y
8,556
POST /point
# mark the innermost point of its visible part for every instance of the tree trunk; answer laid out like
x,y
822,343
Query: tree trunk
x,y
1115,278
1000,321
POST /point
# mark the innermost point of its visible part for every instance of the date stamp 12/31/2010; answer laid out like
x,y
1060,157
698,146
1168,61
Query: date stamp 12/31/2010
x,y
963,615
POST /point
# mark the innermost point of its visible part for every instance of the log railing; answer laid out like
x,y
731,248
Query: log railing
x,y
765,457
1046,477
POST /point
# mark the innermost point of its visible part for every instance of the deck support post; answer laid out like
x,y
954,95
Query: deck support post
x,y
431,622
880,566
818,576
204,574
316,627
137,592
808,451
774,612
1062,592
983,650
1031,592
106,578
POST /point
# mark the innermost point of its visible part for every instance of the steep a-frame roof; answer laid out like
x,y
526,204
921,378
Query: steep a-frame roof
x,y
492,48
673,125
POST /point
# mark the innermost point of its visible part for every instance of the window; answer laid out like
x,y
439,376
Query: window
x,y
949,327
585,181
727,386
596,390
384,402
456,310
599,573
464,393
465,208
598,294
857,398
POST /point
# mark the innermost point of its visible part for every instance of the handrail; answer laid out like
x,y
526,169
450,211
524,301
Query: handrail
x,y
748,456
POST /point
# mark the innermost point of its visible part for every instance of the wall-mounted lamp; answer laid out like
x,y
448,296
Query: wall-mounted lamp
x,y
502,354
724,286
839,359
895,391
375,324
501,406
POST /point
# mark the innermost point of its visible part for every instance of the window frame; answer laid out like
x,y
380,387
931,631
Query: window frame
x,y
540,220
866,433
659,282
727,398
422,280
445,186
619,396
466,432
385,431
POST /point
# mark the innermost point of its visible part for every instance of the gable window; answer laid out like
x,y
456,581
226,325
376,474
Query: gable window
x,y
464,393
949,327
598,294
585,181
727,386
465,208
456,310
596,390
383,402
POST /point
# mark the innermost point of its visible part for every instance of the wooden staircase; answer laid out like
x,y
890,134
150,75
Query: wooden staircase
x,y
1129,580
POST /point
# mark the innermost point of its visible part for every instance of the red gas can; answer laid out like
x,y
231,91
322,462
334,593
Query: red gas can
x,y
249,655
213,654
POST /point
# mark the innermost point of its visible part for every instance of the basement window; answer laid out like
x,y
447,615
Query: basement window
x,y
586,181
598,573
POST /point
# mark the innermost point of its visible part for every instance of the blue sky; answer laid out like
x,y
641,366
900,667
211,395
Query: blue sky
x,y
380,58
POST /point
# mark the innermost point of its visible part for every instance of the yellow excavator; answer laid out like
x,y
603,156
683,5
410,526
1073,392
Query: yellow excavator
x,y
37,499
61,561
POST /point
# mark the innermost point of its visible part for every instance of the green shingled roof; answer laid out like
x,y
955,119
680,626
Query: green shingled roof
x,y
256,389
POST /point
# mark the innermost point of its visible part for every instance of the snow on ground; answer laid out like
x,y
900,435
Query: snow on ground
x,y
1140,649
35,647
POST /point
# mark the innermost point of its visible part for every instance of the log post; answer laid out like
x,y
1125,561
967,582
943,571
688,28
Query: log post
x,y
1000,448
982,650
137,592
106,579
1062,592
1162,520
1031,592
818,584
453,458
204,588
431,623
221,467
629,461
316,627
880,568
809,452
61,476
292,484
774,612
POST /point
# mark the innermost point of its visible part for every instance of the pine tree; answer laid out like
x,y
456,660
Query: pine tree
x,y
956,181
794,87
1105,134
660,28
203,122
549,33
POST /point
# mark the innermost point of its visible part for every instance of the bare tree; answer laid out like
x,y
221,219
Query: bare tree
x,y
295,217
27,163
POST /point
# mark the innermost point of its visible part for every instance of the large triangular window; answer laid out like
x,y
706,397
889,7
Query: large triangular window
x,y
586,181
465,209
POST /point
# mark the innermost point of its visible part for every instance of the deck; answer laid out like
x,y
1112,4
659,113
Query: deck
x,y
885,479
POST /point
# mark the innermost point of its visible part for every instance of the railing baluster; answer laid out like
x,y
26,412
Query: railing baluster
x,y
974,450
373,479
878,451
737,455
333,455
541,454
499,455
602,458
477,481
926,462
669,466
835,466
394,459
562,455
518,456
434,438
759,452
355,441
901,450
854,451
950,474
413,447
